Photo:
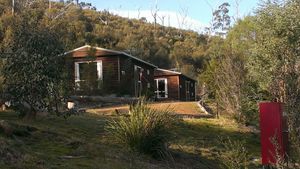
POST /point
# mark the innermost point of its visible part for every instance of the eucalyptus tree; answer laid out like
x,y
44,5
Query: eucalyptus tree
x,y
275,63
221,19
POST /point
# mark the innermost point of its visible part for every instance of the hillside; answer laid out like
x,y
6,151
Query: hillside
x,y
79,25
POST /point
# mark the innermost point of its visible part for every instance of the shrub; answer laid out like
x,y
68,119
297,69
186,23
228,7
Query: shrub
x,y
234,154
144,130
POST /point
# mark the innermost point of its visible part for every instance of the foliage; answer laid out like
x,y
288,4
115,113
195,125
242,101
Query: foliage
x,y
259,60
277,52
234,155
160,46
145,130
1,79
226,75
32,72
221,19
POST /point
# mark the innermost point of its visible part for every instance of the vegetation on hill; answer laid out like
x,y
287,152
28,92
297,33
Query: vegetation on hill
x,y
76,26
68,26
259,61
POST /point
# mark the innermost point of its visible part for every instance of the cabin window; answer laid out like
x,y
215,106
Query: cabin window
x,y
88,75
148,72
161,88
148,85
138,74
192,85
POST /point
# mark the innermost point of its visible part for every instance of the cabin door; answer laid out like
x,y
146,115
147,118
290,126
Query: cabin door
x,y
187,89
161,88
138,73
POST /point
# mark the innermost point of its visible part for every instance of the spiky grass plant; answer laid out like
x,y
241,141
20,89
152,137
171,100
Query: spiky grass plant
x,y
144,130
234,154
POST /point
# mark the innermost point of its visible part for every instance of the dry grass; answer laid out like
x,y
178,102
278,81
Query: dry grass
x,y
180,108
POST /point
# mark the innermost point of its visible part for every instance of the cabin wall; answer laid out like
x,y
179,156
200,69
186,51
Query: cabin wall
x,y
110,83
126,76
192,91
147,78
184,95
118,76
182,88
173,87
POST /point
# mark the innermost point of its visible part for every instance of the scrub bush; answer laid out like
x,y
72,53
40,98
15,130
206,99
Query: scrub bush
x,y
144,130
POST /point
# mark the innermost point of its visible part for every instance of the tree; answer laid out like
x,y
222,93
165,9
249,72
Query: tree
x,y
227,75
32,72
275,63
1,80
221,19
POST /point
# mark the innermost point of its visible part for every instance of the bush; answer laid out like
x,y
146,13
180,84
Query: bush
x,y
144,130
234,154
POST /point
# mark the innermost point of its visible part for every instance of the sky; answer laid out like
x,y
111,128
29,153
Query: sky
x,y
185,14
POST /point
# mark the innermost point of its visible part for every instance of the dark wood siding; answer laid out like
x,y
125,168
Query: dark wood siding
x,y
177,85
146,78
173,86
126,76
182,88
109,74
173,89
184,95
118,72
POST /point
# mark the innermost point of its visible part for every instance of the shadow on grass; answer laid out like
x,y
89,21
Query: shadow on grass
x,y
196,142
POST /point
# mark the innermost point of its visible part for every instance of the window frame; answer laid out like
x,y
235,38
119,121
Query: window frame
x,y
157,91
77,71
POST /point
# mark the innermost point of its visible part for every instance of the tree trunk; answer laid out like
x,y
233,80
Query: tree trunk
x,y
30,112
218,115
30,115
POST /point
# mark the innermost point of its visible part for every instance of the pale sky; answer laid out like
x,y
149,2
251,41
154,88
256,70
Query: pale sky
x,y
194,14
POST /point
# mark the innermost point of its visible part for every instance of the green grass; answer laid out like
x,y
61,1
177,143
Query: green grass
x,y
194,145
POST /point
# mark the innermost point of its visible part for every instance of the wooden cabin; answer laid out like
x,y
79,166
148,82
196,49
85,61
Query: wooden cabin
x,y
101,72
172,85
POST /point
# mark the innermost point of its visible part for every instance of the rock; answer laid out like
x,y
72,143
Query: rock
x,y
3,107
72,157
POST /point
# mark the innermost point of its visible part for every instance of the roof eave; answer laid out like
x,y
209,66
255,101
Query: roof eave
x,y
113,51
175,73
138,59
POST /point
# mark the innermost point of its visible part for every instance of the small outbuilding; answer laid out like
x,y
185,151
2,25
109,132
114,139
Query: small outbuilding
x,y
172,85
100,72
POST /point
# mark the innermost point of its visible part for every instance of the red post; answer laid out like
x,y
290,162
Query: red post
x,y
273,128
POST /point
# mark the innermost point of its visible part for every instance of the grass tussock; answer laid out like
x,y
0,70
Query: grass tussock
x,y
144,130
234,154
